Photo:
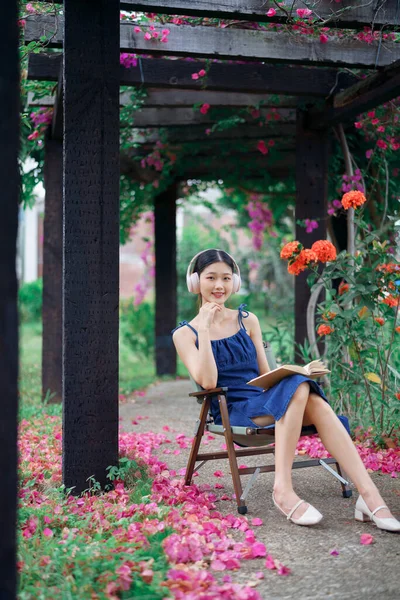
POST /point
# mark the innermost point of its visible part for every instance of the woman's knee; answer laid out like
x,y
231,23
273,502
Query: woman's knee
x,y
316,403
303,390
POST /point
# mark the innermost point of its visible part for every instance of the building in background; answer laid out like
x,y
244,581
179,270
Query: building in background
x,y
132,265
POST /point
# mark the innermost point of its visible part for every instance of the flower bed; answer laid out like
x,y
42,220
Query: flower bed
x,y
148,537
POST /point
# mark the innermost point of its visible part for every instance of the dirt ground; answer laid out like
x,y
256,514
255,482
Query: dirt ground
x,y
357,572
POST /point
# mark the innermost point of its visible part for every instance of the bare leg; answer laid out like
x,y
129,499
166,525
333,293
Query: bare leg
x,y
287,432
338,443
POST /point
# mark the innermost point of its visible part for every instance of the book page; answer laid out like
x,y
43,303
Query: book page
x,y
269,379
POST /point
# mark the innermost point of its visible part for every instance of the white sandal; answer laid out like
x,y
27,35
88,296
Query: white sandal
x,y
312,516
362,513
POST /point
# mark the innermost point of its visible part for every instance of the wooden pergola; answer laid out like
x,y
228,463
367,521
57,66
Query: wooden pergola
x,y
82,170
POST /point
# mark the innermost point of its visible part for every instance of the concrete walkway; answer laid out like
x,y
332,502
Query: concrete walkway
x,y
357,572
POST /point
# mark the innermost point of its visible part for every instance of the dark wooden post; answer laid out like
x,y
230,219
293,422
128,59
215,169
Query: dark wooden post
x,y
91,240
52,272
311,203
166,280
9,185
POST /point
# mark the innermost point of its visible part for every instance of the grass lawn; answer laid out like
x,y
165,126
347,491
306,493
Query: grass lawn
x,y
135,372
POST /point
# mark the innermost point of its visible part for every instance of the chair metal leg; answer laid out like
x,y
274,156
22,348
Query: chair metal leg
x,y
347,492
196,440
237,484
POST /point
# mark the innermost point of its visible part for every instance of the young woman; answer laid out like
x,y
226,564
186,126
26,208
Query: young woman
x,y
224,347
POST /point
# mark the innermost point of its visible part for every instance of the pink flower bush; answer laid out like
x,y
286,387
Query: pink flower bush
x,y
303,12
128,60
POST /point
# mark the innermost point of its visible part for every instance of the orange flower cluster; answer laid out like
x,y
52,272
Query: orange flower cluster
x,y
353,199
329,316
343,288
398,395
301,262
380,320
299,257
389,267
289,250
325,250
324,330
391,301
397,329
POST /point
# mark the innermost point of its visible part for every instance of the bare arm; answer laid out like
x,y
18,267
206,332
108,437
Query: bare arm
x,y
199,362
252,325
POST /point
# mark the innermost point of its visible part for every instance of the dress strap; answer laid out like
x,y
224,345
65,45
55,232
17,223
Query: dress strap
x,y
243,314
182,324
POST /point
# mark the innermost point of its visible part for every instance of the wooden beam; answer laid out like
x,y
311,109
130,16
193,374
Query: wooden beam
x,y
350,13
235,44
52,270
180,98
197,166
91,242
226,77
180,117
165,280
198,133
364,95
311,203
9,184
240,146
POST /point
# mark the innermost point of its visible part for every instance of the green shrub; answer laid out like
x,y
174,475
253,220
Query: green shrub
x,y
30,301
137,327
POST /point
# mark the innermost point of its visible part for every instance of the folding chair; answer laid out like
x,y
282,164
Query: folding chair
x,y
256,440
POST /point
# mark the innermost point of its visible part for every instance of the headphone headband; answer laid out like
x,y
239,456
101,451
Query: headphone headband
x,y
193,280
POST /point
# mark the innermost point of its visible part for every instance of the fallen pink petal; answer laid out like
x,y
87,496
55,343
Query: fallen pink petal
x,y
366,539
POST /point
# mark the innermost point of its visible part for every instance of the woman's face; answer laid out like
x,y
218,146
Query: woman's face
x,y
216,282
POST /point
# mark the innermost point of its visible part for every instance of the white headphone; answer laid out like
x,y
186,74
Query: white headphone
x,y
193,280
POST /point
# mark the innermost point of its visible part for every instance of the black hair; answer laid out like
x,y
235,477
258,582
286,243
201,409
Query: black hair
x,y
211,256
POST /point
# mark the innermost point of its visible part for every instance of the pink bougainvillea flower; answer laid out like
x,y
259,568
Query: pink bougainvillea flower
x,y
358,125
202,73
147,35
47,532
323,38
282,570
218,474
270,563
271,12
137,29
204,109
334,552
195,76
366,539
369,153
303,12
257,521
261,146
310,225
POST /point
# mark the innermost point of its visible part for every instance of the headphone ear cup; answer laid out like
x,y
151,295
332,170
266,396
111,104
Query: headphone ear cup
x,y
193,283
236,282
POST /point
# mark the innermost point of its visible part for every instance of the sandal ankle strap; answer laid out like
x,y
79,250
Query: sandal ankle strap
x,y
294,508
379,508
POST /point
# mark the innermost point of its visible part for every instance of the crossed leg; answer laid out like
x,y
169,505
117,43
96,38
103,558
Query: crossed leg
x,y
307,408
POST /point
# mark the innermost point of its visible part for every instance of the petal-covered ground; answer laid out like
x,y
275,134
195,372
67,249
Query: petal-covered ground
x,y
150,534
110,545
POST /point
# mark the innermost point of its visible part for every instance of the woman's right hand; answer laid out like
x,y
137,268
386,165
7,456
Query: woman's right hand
x,y
207,313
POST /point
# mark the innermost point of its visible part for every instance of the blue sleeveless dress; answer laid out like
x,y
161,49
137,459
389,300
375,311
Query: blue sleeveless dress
x,y
236,360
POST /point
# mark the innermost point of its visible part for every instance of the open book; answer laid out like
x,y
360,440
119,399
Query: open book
x,y
314,369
